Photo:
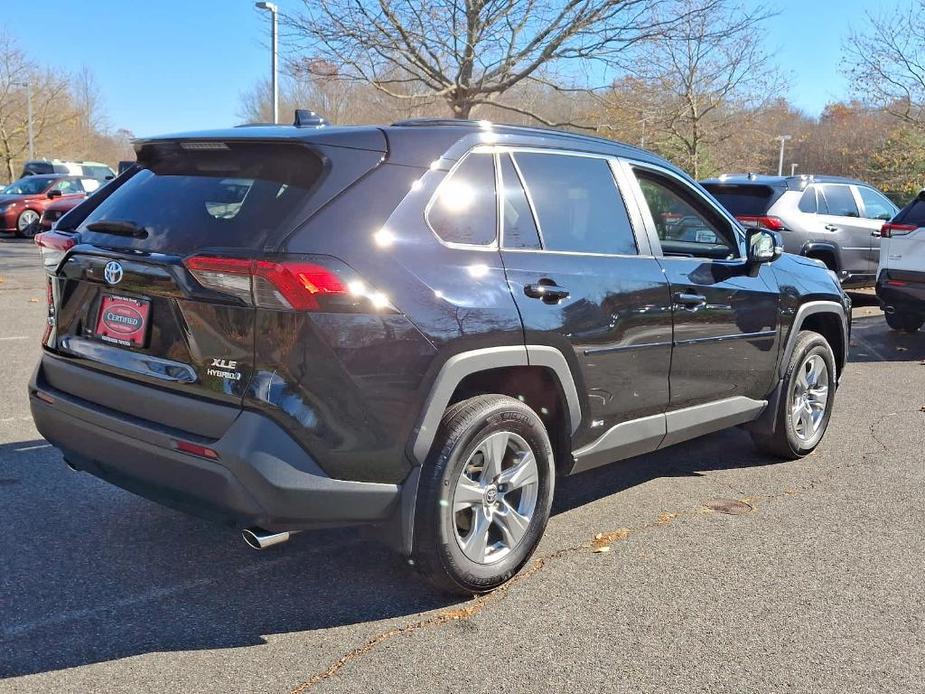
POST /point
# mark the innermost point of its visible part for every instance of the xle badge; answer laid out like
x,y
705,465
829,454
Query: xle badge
x,y
224,368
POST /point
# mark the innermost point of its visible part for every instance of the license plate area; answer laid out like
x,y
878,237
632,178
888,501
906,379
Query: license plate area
x,y
123,320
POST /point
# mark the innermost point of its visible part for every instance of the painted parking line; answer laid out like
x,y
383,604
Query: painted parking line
x,y
31,448
14,337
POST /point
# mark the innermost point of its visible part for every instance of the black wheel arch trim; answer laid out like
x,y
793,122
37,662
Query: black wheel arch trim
x,y
805,310
464,364
825,247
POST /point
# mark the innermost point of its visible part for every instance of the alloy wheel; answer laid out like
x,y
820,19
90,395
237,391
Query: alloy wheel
x,y
495,497
809,397
27,220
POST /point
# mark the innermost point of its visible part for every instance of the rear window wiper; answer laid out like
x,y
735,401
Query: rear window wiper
x,y
119,228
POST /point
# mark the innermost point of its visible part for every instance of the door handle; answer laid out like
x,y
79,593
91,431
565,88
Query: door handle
x,y
831,227
547,291
691,301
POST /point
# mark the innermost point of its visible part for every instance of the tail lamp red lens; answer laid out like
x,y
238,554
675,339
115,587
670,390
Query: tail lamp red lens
x,y
301,285
890,230
55,246
763,222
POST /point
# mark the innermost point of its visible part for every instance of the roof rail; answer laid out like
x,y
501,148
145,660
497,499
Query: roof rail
x,y
460,122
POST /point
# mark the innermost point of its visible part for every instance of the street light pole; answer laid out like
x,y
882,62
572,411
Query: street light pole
x,y
780,162
274,11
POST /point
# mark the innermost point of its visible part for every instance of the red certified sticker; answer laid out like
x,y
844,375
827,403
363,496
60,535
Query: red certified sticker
x,y
123,320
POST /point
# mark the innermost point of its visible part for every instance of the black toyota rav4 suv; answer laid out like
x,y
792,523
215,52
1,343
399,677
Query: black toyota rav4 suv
x,y
417,327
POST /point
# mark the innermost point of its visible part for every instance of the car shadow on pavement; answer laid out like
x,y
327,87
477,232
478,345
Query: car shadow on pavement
x,y
873,341
91,573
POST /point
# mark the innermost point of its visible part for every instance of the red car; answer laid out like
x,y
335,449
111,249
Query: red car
x,y
23,202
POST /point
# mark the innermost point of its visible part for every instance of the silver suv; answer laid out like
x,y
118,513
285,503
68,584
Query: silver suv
x,y
836,220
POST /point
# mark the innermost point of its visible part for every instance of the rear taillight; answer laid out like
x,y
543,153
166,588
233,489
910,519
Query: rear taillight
x,y
55,246
890,230
772,223
314,284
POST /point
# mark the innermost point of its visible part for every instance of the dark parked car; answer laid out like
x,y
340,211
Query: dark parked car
x,y
835,220
22,202
419,327
57,210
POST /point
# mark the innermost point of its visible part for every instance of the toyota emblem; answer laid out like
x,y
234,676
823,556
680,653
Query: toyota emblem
x,y
113,272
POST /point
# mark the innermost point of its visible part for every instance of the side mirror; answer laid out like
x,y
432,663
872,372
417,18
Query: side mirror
x,y
764,246
54,193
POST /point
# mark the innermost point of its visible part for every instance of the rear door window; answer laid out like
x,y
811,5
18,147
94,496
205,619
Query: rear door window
x,y
840,200
578,206
465,209
238,194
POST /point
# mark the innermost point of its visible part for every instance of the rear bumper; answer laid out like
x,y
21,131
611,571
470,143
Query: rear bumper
x,y
262,477
902,289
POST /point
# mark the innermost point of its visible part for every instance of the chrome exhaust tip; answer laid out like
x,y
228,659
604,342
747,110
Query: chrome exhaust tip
x,y
889,309
262,539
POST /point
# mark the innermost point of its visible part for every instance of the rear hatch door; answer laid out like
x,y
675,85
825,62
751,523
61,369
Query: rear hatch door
x,y
125,303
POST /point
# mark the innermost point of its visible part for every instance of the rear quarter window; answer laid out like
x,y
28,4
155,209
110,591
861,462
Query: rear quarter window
x,y
465,209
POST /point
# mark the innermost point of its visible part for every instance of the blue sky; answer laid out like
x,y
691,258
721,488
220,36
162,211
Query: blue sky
x,y
169,65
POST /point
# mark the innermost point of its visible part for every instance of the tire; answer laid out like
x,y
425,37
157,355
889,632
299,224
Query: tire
x,y
907,322
466,540
27,224
795,439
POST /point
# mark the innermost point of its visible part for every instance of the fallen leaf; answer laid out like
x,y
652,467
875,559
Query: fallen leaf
x,y
598,550
604,540
33,301
664,518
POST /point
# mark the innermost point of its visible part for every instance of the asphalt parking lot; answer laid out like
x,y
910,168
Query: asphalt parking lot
x,y
813,583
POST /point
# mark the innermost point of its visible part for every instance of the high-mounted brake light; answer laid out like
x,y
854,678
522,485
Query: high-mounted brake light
x,y
314,284
762,222
55,246
890,230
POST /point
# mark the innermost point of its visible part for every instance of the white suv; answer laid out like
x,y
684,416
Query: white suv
x,y
901,275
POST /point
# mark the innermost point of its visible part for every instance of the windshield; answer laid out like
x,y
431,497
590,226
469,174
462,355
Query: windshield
x,y
235,195
27,186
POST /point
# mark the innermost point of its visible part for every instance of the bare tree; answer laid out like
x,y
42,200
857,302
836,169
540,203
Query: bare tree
x,y
886,62
468,53
702,81
49,93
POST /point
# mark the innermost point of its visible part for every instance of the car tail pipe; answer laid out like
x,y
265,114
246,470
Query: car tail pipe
x,y
258,538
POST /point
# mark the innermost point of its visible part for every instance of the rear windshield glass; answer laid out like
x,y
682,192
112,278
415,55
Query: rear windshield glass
x,y
914,213
193,195
744,201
